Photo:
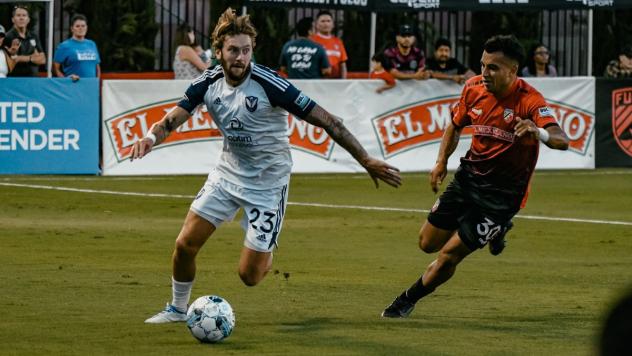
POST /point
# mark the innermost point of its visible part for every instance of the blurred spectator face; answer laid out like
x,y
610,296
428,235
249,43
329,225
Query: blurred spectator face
x,y
235,56
498,72
324,24
625,61
405,41
79,29
376,66
541,55
21,18
13,48
442,54
191,35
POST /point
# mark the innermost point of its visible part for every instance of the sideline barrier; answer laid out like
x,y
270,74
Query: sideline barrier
x,y
403,125
614,127
49,126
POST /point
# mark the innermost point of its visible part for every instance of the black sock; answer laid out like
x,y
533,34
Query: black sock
x,y
416,291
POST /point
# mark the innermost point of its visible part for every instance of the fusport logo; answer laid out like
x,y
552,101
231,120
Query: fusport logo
x,y
128,127
309,138
622,118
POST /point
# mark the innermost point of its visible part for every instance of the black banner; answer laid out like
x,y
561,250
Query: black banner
x,y
613,144
411,5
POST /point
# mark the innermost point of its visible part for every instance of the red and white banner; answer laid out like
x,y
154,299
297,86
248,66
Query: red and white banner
x,y
404,125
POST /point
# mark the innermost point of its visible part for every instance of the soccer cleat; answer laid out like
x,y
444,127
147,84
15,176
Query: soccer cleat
x,y
169,315
400,308
497,245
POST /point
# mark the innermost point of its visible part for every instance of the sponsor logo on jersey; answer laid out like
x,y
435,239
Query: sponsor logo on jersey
x,y
217,101
508,115
309,138
126,128
251,103
622,118
235,124
302,101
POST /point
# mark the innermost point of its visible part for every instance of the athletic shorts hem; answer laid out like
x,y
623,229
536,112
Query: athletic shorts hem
x,y
213,220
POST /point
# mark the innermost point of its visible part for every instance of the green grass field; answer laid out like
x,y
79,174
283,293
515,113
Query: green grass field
x,y
81,270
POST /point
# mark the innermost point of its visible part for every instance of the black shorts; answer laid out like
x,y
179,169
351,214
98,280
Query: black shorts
x,y
478,210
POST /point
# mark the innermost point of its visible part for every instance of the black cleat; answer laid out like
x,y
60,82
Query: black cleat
x,y
497,245
400,308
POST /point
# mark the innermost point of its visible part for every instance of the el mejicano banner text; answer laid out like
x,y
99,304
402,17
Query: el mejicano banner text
x,y
49,126
404,125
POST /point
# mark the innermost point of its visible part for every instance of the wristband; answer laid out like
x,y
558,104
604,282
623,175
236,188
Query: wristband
x,y
544,135
150,135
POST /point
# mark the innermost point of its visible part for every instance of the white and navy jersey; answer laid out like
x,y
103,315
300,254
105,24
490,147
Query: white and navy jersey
x,y
253,118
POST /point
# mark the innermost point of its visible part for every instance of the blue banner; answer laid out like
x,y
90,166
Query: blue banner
x,y
49,126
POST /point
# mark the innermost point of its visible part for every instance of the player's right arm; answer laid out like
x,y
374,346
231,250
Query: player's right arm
x,y
449,143
159,132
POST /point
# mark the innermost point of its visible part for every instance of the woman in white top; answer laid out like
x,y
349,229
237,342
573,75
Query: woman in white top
x,y
190,60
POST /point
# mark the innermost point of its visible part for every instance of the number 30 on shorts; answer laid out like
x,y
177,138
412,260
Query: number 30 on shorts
x,y
261,221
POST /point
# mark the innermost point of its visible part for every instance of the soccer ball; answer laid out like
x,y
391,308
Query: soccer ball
x,y
210,319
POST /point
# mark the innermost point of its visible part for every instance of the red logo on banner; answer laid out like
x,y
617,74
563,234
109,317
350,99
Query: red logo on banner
x,y
622,118
127,128
424,123
309,138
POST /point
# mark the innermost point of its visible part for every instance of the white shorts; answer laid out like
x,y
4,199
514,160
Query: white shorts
x,y
219,201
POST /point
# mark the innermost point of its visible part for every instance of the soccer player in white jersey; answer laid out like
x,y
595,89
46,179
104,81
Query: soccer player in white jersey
x,y
250,104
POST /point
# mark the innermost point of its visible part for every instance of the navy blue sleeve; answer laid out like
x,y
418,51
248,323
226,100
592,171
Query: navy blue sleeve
x,y
282,93
194,95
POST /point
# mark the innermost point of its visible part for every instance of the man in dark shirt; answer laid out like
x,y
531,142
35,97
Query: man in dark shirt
x,y
302,58
443,66
31,54
405,60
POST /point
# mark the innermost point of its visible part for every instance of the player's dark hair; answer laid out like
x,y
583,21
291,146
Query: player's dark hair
x,y
379,57
304,26
323,13
230,24
77,17
18,7
442,42
508,45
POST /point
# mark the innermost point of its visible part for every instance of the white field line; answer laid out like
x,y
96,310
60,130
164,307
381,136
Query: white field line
x,y
318,205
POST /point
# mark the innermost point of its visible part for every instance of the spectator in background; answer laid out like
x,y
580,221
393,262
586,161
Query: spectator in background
x,y
405,60
6,62
77,57
335,48
302,58
539,63
622,66
30,55
378,72
443,66
190,59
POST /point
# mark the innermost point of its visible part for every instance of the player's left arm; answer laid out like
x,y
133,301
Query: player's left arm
x,y
333,125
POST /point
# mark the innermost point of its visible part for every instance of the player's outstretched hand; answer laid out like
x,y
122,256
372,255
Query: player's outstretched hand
x,y
380,170
437,175
141,148
524,127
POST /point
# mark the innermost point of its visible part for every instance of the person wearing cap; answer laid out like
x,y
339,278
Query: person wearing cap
x,y
405,60
622,66
7,50
30,55
443,66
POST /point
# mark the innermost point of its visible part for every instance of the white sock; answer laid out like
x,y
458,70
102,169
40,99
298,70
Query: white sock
x,y
181,294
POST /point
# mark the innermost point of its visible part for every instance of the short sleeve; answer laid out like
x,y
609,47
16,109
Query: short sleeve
x,y
60,54
460,118
38,44
324,61
282,93
540,112
343,52
194,95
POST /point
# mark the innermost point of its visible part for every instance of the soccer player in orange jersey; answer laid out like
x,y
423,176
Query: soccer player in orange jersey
x,y
336,52
509,118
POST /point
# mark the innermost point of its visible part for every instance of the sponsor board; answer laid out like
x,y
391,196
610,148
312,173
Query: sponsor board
x,y
622,118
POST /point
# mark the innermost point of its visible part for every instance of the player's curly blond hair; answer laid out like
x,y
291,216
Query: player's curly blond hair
x,y
230,24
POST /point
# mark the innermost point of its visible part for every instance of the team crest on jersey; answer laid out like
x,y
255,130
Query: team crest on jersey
x,y
508,115
621,119
235,124
251,103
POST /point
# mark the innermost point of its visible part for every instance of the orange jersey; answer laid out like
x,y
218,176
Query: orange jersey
x,y
384,75
336,52
496,154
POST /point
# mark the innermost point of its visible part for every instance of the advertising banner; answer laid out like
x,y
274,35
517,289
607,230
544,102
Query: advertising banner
x,y
403,125
49,126
614,123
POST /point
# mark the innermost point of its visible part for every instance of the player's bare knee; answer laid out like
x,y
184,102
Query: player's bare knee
x,y
427,245
185,249
250,279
